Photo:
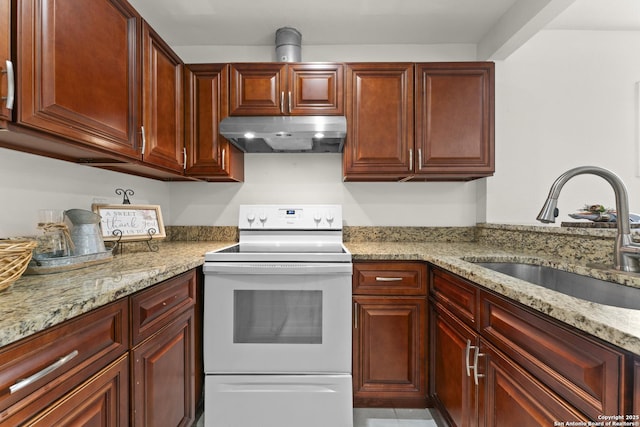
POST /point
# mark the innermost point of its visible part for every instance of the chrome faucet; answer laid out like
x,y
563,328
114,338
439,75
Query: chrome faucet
x,y
626,253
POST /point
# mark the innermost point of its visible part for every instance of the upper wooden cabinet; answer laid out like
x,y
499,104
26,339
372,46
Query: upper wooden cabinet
x,y
379,112
162,102
6,80
209,155
271,89
78,72
454,120
448,136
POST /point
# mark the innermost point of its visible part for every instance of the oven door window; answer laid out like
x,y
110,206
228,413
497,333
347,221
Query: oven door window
x,y
277,316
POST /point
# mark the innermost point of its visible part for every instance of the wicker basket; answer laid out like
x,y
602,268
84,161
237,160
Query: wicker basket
x,y
14,258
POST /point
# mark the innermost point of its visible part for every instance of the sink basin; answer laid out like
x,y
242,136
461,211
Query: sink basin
x,y
576,285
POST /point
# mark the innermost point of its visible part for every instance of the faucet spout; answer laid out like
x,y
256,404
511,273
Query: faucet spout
x,y
626,253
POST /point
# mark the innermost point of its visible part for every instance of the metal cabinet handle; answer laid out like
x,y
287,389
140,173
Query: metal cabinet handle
x,y
388,279
420,158
184,158
144,140
38,375
411,159
476,375
11,87
290,101
467,351
282,102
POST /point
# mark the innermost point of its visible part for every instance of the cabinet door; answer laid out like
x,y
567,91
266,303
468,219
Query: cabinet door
x,y
315,89
379,112
513,398
101,401
163,376
163,108
451,382
257,89
78,74
5,55
209,155
389,351
454,119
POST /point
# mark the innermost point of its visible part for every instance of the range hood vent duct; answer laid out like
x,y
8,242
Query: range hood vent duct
x,y
286,134
288,45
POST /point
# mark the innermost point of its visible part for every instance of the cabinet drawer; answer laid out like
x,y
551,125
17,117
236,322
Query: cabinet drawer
x,y
389,278
58,359
103,398
155,307
580,369
456,294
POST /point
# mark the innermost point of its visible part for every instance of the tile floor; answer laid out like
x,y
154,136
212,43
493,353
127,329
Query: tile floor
x,y
378,417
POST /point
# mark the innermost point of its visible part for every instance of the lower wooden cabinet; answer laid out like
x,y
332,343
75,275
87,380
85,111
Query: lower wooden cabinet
x,y
130,362
389,351
495,363
451,385
163,376
389,334
101,401
162,356
636,388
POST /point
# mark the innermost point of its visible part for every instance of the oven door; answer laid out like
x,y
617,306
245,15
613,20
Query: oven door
x,y
288,318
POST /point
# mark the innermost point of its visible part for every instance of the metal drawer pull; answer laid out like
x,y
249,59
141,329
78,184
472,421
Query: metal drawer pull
x,y
388,279
11,87
38,375
466,357
476,375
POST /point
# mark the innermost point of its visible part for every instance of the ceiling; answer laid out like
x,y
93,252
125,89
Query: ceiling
x,y
497,27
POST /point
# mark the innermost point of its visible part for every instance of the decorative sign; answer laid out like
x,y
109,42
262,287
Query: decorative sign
x,y
130,222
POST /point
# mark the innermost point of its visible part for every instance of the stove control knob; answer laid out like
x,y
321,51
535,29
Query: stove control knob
x,y
250,218
330,217
263,217
317,218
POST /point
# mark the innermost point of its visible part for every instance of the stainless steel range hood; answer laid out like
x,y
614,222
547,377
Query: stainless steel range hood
x,y
286,134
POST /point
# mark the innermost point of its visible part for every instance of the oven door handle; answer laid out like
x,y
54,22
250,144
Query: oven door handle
x,y
285,268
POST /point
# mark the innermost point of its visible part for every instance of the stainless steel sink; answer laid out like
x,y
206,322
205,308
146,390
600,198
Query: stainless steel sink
x,y
576,285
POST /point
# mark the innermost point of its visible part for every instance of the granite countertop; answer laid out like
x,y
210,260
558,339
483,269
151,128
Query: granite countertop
x,y
34,303
618,326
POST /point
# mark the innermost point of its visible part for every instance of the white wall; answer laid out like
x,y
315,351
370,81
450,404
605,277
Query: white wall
x,y
29,183
565,99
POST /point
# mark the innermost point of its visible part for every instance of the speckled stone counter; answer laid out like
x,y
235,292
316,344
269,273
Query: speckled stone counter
x,y
37,302
618,326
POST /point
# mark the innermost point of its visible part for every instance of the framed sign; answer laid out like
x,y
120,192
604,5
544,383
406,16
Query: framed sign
x,y
130,222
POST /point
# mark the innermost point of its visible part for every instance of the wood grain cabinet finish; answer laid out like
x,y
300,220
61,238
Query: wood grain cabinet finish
x,y
454,120
60,359
5,55
78,74
527,368
380,131
162,355
102,401
451,384
275,89
585,372
389,334
162,103
209,155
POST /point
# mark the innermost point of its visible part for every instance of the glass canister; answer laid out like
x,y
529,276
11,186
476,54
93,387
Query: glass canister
x,y
54,240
